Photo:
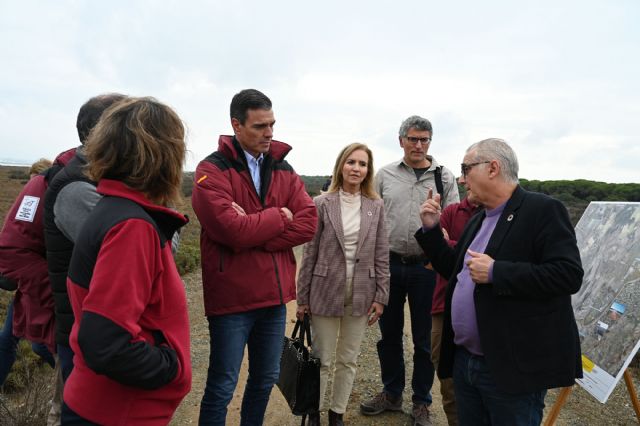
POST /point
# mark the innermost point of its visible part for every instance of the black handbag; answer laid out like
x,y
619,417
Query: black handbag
x,y
299,379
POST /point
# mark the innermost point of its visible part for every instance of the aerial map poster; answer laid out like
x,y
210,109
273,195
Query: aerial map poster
x,y
607,307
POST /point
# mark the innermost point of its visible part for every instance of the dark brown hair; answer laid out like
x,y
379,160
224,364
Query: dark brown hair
x,y
245,100
140,142
91,111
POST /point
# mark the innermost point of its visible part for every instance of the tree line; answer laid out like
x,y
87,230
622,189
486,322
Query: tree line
x,y
575,194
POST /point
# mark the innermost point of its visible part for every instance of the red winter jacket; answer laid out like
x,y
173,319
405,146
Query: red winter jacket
x,y
130,338
247,261
22,258
454,217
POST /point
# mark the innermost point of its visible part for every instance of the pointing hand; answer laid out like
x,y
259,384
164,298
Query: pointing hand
x,y
430,210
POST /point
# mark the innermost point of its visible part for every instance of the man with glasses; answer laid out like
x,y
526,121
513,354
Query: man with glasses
x,y
509,332
403,185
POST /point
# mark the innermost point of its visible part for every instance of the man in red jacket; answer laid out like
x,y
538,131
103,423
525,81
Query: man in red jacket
x,y
454,218
253,209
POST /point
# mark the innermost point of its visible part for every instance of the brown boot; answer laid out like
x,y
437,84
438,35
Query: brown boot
x,y
335,419
379,403
314,419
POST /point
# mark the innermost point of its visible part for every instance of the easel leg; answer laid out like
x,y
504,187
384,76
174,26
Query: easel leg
x,y
557,406
628,380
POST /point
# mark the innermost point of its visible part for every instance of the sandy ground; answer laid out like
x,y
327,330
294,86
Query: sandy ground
x,y
581,409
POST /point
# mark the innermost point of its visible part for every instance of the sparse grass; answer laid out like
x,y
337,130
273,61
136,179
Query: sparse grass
x,y
10,187
27,392
19,174
27,363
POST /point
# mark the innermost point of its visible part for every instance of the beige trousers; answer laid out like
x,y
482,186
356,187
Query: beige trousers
x,y
342,336
446,385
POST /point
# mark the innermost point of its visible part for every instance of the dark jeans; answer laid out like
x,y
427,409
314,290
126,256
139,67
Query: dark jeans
x,y
9,345
479,402
262,331
416,283
70,418
65,356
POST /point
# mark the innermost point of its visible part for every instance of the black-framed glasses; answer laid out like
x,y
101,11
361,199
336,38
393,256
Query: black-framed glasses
x,y
414,140
464,168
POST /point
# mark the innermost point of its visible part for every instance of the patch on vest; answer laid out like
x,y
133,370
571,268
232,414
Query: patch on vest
x,y
27,210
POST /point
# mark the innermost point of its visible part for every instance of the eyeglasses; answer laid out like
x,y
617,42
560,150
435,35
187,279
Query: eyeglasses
x,y
464,168
414,140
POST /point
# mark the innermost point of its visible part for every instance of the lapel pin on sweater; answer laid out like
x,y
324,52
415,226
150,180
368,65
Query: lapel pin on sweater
x,y
510,218
369,213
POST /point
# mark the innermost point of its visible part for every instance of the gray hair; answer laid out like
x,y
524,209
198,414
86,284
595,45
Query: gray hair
x,y
497,149
415,122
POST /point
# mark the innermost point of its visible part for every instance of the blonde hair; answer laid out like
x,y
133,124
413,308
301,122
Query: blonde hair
x,y
39,166
140,142
366,187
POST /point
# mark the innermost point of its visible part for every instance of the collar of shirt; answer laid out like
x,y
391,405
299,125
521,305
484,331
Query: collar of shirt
x,y
498,210
254,168
433,164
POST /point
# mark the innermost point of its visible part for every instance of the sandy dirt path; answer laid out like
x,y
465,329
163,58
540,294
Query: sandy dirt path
x,y
581,408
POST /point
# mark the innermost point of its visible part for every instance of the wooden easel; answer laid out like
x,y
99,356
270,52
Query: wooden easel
x,y
564,395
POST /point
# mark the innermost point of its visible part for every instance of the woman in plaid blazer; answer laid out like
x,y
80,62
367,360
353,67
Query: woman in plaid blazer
x,y
344,276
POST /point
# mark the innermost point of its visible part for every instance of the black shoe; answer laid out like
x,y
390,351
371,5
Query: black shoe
x,y
335,419
314,419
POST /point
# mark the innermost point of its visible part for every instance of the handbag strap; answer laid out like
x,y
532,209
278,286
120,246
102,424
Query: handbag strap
x,y
296,329
304,327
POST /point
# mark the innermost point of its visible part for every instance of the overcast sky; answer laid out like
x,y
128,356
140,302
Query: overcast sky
x,y
559,80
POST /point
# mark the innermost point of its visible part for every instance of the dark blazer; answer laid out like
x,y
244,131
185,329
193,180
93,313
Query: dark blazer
x,y
527,329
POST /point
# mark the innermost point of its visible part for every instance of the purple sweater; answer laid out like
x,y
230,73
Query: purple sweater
x,y
463,308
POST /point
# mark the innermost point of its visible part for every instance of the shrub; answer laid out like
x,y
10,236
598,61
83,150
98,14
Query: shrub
x,y
18,175
33,383
187,258
187,184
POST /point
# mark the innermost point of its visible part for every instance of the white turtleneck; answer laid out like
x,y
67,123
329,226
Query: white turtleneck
x,y
350,211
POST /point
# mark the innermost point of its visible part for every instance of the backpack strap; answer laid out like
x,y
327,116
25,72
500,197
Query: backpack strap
x,y
438,178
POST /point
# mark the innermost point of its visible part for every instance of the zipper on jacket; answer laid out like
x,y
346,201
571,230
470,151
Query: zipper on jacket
x,y
275,265
221,262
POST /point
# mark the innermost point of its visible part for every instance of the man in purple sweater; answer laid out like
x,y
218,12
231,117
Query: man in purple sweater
x,y
509,333
452,221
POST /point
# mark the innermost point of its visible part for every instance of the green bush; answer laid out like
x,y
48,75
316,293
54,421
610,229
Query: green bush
x,y
187,184
18,175
187,258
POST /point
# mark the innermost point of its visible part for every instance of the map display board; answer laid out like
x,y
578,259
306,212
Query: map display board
x,y
607,307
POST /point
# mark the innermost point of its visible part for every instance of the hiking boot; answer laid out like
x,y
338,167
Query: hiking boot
x,y
379,403
421,415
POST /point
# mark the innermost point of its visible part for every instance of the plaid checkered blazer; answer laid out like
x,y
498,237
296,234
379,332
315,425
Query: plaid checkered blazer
x,y
323,272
